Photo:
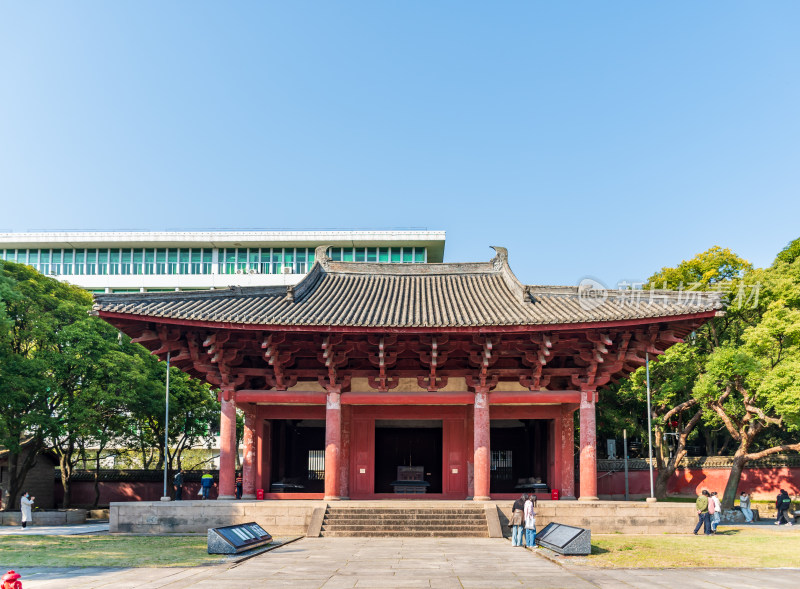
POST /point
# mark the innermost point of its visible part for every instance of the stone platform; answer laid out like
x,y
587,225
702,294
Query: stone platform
x,y
292,517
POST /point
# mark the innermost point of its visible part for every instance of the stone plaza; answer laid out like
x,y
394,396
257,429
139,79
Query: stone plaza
x,y
338,563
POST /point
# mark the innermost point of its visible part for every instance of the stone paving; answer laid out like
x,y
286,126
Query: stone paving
x,y
338,563
67,530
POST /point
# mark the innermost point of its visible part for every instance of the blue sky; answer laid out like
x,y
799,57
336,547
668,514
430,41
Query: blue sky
x,y
603,139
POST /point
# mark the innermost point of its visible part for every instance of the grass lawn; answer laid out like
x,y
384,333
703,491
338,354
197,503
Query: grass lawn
x,y
732,547
105,550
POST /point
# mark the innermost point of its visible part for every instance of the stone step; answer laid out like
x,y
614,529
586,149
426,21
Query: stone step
x,y
405,511
414,517
402,526
404,534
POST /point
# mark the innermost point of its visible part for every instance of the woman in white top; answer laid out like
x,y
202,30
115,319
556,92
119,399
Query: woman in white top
x,y
744,504
26,504
717,512
530,522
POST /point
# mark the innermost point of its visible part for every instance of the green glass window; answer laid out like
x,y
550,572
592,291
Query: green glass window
x,y
161,261
149,261
265,258
383,254
11,255
138,258
419,254
102,262
311,255
372,254
172,261
33,258
91,262
336,254
253,260
361,254
300,266
241,259
208,255
44,262
113,262
396,253
22,256
408,255
67,267
196,257
277,260
125,262
80,260
230,261
347,254
55,262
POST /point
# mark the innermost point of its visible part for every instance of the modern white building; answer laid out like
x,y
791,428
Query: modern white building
x,y
127,261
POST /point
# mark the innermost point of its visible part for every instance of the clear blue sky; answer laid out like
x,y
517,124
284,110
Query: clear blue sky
x,y
590,138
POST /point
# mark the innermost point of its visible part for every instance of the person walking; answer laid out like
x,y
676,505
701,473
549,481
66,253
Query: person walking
x,y
744,505
177,482
517,522
716,513
26,507
702,514
783,503
530,521
206,482
239,485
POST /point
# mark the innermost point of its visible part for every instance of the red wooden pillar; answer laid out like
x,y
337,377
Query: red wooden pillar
x,y
333,444
567,463
227,445
249,457
482,450
344,456
588,456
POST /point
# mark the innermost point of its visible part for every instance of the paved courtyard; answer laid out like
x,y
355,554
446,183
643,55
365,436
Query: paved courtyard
x,y
335,563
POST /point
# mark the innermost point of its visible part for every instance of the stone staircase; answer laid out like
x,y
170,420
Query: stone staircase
x,y
439,522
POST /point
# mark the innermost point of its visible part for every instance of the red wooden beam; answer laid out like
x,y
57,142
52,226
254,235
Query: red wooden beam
x,y
281,397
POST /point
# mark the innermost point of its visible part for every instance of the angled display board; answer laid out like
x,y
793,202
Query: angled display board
x,y
236,539
567,540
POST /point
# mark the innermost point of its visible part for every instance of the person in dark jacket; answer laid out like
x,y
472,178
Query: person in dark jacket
x,y
177,482
783,503
518,520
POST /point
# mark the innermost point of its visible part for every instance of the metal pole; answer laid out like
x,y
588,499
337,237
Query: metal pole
x,y
649,425
625,450
166,430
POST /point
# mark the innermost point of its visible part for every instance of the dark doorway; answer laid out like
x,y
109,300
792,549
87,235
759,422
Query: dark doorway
x,y
298,456
404,443
520,451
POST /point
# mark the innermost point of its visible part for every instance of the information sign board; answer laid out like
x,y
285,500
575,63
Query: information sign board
x,y
565,539
237,538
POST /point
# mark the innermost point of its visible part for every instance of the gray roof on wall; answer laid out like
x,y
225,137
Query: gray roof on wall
x,y
356,294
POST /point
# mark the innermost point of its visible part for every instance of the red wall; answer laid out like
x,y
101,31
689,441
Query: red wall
x,y
761,483
83,492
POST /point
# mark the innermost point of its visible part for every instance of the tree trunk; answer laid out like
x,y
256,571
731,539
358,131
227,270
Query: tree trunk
x,y
739,460
18,472
66,480
97,480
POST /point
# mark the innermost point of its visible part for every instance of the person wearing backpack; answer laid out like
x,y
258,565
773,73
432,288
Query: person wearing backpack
x,y
783,504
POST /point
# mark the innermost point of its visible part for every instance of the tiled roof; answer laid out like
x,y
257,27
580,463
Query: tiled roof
x,y
340,294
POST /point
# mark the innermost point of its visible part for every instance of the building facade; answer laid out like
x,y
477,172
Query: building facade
x,y
370,380
192,260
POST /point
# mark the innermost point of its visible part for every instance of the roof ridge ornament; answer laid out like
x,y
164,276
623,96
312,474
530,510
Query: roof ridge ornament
x,y
501,257
321,255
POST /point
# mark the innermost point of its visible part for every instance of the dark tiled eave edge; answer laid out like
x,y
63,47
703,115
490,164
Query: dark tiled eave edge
x,y
408,296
